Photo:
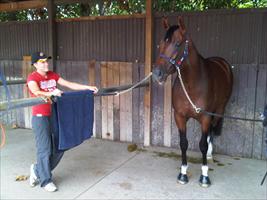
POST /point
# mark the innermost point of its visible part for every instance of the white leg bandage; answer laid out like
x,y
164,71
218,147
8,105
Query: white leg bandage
x,y
205,170
184,169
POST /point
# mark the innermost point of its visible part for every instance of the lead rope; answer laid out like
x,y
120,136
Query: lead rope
x,y
135,85
198,110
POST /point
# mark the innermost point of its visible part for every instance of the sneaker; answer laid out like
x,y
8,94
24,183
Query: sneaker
x,y
50,187
33,177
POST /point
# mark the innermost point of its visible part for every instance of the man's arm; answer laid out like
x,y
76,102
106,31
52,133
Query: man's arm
x,y
76,86
33,86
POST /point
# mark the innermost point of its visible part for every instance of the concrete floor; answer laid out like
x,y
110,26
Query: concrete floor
x,y
100,169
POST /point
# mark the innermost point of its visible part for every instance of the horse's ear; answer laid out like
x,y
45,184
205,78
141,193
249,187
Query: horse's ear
x,y
165,23
181,23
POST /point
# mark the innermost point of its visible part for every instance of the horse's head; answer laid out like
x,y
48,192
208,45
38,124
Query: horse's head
x,y
169,50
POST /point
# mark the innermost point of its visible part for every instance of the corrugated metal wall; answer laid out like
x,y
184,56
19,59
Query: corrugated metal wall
x,y
108,40
105,40
239,36
18,39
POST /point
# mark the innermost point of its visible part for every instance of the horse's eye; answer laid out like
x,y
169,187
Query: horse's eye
x,y
167,40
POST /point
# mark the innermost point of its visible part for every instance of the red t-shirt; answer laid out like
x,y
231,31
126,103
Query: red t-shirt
x,y
46,83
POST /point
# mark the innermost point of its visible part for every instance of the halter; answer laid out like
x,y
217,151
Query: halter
x,y
173,61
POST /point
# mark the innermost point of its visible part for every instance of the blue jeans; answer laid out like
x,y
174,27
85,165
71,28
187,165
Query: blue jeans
x,y
47,156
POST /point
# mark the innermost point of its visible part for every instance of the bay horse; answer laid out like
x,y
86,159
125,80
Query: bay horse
x,y
208,83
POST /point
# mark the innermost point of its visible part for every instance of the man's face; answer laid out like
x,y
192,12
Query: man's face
x,y
42,65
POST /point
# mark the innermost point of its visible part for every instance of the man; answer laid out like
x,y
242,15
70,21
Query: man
x,y
43,82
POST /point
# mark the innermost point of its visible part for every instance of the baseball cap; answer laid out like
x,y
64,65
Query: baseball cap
x,y
36,56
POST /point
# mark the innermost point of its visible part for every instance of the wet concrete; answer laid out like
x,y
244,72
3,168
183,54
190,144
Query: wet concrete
x,y
101,169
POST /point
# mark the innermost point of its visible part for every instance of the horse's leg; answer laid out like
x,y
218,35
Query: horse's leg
x,y
204,180
210,147
216,127
215,130
181,124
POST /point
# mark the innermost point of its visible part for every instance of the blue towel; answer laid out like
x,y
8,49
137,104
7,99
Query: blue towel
x,y
72,119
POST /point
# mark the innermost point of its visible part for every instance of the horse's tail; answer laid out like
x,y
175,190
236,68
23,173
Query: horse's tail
x,y
216,128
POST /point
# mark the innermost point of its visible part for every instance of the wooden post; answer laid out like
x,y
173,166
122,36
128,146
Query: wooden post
x,y
52,40
27,68
148,66
91,81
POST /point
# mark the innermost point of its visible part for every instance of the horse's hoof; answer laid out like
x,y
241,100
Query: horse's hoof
x,y
182,179
204,181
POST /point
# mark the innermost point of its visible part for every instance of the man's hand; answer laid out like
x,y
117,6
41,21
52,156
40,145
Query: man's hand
x,y
56,92
93,88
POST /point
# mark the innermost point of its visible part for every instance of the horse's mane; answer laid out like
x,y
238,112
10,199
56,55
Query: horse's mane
x,y
170,32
